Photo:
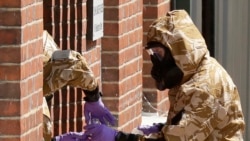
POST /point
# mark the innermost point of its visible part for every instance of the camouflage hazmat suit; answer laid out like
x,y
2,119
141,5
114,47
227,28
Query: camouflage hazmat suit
x,y
62,68
207,97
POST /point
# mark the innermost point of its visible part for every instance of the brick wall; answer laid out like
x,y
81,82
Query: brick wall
x,y
154,101
21,70
122,61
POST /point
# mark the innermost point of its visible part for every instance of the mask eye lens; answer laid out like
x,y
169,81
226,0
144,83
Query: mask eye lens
x,y
158,56
150,51
154,53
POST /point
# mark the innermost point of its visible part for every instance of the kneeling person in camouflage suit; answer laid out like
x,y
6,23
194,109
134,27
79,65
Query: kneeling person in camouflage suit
x,y
68,67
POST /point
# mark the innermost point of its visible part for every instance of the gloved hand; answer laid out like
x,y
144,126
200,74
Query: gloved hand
x,y
148,129
97,110
100,132
71,136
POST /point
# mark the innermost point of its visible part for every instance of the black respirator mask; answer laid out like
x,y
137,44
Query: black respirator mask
x,y
164,71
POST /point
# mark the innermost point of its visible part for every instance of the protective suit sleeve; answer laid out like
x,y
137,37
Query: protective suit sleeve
x,y
198,120
92,96
71,69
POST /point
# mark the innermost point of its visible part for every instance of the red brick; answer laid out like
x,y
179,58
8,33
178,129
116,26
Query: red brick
x,y
112,105
27,2
112,29
38,9
10,73
149,2
114,3
31,13
164,8
110,75
147,66
31,32
10,4
10,55
110,60
110,89
36,99
10,36
131,69
10,90
111,14
148,82
110,43
12,108
96,69
151,12
11,126
139,6
5,19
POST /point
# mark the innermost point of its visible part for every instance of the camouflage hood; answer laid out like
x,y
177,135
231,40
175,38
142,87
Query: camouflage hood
x,y
177,31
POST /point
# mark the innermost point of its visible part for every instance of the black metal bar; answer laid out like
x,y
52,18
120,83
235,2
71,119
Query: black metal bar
x,y
181,4
208,22
173,4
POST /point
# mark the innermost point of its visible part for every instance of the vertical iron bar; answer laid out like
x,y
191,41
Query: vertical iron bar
x,y
208,22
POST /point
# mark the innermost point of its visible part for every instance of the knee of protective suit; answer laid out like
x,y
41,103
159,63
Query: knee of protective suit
x,y
47,128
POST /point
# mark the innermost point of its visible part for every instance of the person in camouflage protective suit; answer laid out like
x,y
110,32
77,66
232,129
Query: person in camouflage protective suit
x,y
69,68
204,101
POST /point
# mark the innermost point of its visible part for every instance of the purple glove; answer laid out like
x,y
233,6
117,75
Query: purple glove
x,y
148,129
100,132
97,110
71,136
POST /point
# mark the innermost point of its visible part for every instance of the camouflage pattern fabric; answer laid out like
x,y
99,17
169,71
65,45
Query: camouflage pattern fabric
x,y
47,127
49,46
72,71
209,97
61,68
65,67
